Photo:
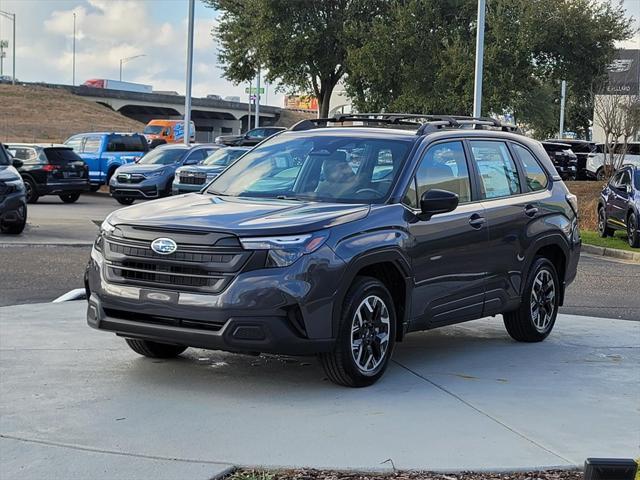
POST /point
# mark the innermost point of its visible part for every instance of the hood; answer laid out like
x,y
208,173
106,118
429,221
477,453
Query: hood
x,y
229,137
203,168
141,168
8,173
240,216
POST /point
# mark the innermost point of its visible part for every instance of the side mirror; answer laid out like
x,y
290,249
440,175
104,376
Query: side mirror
x,y
17,163
436,201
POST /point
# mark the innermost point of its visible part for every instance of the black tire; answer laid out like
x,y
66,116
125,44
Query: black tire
x,y
601,175
70,197
340,365
94,188
633,235
151,349
31,192
603,230
521,323
168,190
15,228
125,200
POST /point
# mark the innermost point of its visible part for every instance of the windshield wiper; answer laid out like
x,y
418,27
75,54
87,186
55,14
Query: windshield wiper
x,y
287,197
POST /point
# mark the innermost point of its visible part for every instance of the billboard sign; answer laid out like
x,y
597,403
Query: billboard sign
x,y
623,74
301,102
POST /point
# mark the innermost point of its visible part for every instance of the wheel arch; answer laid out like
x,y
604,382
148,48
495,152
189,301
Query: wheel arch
x,y
393,270
555,249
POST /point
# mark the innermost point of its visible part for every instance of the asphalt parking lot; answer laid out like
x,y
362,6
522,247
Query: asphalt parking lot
x,y
41,272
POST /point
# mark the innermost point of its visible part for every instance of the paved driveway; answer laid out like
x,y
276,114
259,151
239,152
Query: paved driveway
x,y
463,397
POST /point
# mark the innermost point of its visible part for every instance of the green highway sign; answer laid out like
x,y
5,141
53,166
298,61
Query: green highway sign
x,y
254,90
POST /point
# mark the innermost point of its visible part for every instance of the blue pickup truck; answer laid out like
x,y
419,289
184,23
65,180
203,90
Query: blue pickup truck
x,y
104,152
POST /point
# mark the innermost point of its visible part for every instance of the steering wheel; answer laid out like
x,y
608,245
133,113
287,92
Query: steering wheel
x,y
363,190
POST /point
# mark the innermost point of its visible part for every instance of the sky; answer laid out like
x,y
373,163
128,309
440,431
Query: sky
x,y
108,30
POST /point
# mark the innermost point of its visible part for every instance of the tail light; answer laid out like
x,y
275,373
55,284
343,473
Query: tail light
x,y
50,168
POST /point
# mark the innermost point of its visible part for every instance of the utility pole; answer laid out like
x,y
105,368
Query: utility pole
x,y
3,44
249,102
257,122
187,95
73,81
12,17
563,94
477,91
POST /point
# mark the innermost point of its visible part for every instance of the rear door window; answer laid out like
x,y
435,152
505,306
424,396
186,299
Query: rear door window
x,y
126,143
92,144
534,174
498,173
26,154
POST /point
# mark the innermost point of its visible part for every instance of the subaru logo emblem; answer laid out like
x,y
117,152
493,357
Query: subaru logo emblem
x,y
164,246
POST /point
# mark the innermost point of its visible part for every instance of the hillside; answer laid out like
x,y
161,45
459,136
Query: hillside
x,y
39,114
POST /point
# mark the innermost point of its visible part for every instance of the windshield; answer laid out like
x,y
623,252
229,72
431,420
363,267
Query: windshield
x,y
4,157
320,167
163,156
153,129
222,157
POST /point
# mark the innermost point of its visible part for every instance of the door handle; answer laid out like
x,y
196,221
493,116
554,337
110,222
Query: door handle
x,y
476,221
530,210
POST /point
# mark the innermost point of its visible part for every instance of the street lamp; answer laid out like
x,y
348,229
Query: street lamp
x,y
12,17
477,89
189,79
128,59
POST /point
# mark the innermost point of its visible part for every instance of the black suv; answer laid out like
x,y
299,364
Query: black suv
x,y
13,204
368,233
51,170
251,138
581,149
563,158
619,205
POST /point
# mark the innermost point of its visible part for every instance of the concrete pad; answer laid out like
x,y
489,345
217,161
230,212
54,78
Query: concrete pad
x,y
460,398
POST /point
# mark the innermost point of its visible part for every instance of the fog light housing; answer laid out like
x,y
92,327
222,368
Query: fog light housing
x,y
610,469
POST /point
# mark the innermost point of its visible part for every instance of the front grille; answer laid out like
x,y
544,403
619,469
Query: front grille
x,y
129,178
163,320
198,268
193,178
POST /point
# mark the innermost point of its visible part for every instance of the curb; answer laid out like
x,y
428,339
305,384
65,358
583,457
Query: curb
x,y
611,252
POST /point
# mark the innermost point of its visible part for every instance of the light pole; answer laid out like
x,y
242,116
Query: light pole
x,y
187,93
563,96
128,59
73,81
3,44
477,90
257,122
12,17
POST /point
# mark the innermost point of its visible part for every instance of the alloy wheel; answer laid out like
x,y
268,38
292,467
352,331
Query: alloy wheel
x,y
370,329
601,221
631,229
543,294
28,190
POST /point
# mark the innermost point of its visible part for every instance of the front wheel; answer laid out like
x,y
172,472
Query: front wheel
x,y
366,335
534,319
601,175
633,235
125,200
151,349
70,197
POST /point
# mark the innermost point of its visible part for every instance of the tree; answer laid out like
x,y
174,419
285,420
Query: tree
x,y
420,58
302,44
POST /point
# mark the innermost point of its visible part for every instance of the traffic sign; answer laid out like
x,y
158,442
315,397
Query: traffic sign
x,y
254,90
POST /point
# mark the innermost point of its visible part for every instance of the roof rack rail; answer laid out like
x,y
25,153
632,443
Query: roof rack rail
x,y
425,123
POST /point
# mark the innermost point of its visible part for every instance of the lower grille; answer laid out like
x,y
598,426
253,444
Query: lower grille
x,y
193,179
162,320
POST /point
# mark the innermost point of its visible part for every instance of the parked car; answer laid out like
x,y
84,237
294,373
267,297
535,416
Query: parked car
x,y
582,149
13,199
104,152
563,158
596,160
472,222
153,175
161,131
619,205
51,170
250,138
191,178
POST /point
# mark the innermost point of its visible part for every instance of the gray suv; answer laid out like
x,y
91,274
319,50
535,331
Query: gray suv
x,y
401,224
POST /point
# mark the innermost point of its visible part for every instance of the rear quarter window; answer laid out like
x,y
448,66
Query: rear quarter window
x,y
535,176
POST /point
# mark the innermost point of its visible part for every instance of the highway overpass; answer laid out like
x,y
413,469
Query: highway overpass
x,y
212,117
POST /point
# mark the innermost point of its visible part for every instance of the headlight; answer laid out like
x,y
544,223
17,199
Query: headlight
x,y
106,226
157,173
14,185
285,250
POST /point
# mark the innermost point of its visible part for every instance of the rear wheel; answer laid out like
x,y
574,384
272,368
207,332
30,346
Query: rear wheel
x,y
30,191
603,229
154,349
633,236
601,175
125,200
70,197
366,336
534,319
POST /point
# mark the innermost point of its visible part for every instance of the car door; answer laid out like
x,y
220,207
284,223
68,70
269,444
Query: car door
x,y
90,153
511,200
448,250
618,202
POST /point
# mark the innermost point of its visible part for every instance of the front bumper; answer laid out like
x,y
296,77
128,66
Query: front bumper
x,y
271,310
567,172
13,208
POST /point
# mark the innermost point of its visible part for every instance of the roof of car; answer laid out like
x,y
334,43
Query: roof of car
x,y
182,146
365,131
107,133
39,145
